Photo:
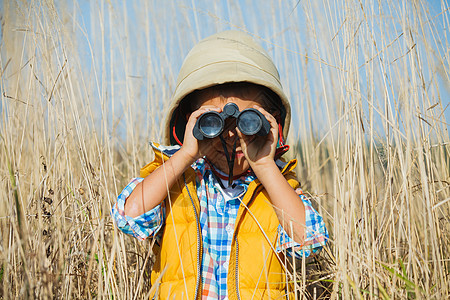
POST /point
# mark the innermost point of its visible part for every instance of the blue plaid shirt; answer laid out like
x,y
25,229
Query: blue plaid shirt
x,y
218,211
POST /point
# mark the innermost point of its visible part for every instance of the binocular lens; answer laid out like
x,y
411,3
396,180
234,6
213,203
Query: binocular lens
x,y
249,123
210,125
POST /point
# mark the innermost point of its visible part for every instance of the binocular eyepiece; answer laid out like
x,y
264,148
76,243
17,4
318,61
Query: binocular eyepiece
x,y
249,121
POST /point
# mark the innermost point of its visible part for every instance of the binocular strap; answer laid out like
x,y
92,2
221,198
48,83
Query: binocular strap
x,y
230,159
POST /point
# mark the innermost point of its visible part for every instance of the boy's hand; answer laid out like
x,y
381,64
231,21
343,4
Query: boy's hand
x,y
193,148
260,150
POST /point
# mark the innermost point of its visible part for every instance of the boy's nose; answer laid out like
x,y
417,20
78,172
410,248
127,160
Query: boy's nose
x,y
229,129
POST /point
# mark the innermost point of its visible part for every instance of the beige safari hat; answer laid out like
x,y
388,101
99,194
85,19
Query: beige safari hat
x,y
225,57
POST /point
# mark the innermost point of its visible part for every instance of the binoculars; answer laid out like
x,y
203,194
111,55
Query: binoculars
x,y
249,121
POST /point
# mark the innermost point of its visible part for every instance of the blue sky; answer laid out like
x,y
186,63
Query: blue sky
x,y
146,42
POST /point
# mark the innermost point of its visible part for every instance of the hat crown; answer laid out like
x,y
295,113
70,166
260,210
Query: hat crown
x,y
227,47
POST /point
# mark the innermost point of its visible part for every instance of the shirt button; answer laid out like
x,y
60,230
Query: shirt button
x,y
229,229
225,265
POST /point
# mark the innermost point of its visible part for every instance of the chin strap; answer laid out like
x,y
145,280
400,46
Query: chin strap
x,y
230,159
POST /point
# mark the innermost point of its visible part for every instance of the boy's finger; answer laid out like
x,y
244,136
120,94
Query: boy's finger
x,y
243,137
197,113
211,107
266,114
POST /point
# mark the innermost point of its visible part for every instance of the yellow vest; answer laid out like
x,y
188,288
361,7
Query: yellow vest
x,y
255,269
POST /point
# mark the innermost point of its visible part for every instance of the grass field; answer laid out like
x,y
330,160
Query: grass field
x,y
85,85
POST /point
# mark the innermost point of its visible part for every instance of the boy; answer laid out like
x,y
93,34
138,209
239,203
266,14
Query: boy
x,y
223,209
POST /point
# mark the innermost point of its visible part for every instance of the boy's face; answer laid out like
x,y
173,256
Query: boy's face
x,y
248,99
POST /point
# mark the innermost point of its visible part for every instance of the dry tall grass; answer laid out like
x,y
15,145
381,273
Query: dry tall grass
x,y
84,87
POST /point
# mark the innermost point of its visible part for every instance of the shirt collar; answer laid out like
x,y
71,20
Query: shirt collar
x,y
203,166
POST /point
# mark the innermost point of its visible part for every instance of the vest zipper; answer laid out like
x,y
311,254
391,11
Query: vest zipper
x,y
198,280
237,269
256,190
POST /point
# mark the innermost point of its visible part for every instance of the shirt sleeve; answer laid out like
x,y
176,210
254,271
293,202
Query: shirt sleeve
x,y
316,234
143,226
